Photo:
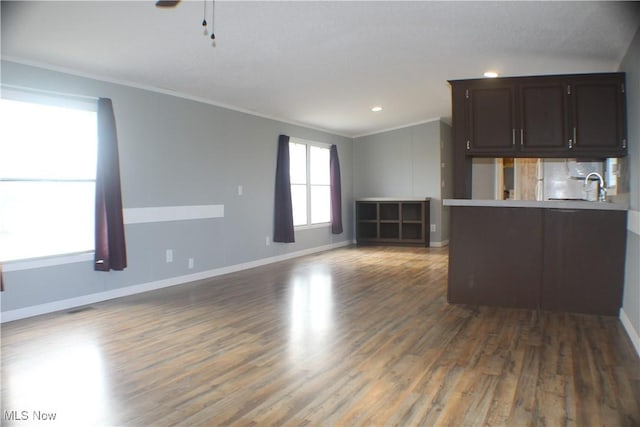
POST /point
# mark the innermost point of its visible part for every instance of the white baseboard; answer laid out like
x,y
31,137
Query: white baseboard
x,y
631,331
431,244
66,304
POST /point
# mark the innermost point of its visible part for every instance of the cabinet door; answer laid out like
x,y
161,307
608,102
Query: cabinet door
x,y
584,254
495,256
598,116
543,117
491,119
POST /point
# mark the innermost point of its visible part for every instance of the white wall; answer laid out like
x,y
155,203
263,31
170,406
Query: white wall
x,y
631,303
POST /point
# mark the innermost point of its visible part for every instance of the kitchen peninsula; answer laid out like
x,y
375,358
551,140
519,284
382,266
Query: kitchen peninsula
x,y
554,255
561,255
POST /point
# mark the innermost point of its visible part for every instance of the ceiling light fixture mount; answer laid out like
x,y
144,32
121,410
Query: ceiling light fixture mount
x,y
491,74
204,18
166,4
213,14
376,108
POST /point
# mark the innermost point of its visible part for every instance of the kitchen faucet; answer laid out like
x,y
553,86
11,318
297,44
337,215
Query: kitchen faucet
x,y
602,193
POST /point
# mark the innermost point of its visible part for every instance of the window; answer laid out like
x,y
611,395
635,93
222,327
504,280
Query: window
x,y
47,175
310,183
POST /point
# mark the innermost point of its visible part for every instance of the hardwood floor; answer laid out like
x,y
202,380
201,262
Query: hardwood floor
x,y
355,336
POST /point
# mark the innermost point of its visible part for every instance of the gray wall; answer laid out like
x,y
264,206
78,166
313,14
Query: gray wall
x,y
483,176
446,173
174,152
631,65
403,163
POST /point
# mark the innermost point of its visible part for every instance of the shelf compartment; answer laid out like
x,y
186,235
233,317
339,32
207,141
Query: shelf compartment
x,y
367,230
389,211
411,211
412,231
390,230
367,211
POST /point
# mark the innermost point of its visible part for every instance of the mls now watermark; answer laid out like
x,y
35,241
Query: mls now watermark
x,y
29,416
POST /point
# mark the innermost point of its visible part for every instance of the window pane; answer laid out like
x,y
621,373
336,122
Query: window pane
x,y
319,165
46,142
45,218
42,146
298,163
320,204
299,202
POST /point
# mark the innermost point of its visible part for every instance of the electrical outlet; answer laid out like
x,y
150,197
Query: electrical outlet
x,y
190,263
240,190
267,240
169,255
433,228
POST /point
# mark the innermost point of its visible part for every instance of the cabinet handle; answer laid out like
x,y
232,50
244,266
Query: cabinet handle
x,y
624,143
468,145
575,138
570,144
521,137
513,137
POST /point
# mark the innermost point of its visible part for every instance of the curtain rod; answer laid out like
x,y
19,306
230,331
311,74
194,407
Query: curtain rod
x,y
49,92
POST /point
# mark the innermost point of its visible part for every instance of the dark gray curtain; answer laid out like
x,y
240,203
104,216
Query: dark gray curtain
x,y
336,191
283,221
111,253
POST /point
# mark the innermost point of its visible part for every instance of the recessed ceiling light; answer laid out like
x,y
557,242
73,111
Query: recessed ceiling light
x,y
376,109
491,74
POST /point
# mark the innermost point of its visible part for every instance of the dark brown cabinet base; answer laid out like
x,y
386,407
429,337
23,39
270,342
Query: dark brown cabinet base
x,y
584,254
494,256
554,259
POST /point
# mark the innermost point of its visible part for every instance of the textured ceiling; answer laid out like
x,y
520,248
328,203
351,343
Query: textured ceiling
x,y
322,64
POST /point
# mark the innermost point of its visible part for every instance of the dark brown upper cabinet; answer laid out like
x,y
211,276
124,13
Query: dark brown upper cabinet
x,y
490,117
543,124
598,115
546,116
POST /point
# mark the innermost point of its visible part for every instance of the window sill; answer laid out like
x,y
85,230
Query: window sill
x,y
312,226
49,261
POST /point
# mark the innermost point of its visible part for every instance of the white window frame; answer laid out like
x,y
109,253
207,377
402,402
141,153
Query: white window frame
x,y
35,96
309,144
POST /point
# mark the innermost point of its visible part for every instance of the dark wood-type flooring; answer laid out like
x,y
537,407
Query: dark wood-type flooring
x,y
354,336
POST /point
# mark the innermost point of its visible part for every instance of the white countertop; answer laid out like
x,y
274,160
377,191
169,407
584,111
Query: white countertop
x,y
547,204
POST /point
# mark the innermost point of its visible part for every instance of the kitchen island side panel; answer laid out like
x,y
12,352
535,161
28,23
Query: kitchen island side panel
x,y
584,256
495,256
